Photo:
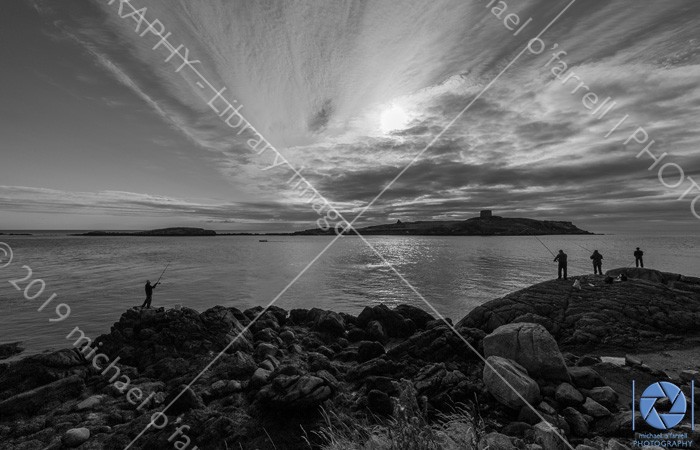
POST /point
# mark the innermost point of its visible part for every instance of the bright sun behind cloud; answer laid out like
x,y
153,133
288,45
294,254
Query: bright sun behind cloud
x,y
393,118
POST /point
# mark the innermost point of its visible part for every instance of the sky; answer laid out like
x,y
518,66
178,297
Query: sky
x,y
98,131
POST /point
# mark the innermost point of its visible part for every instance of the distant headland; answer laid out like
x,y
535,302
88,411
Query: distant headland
x,y
178,231
485,225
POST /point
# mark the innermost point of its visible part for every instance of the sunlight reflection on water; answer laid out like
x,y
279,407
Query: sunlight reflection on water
x,y
99,277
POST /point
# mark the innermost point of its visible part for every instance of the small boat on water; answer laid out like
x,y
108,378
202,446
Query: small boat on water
x,y
262,240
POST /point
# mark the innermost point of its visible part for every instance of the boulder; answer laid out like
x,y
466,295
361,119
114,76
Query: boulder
x,y
260,377
330,322
376,366
516,429
496,441
549,437
595,409
89,402
75,437
419,317
585,377
296,392
368,350
264,349
513,388
183,399
356,335
531,346
375,331
287,337
567,395
317,362
392,322
577,423
605,395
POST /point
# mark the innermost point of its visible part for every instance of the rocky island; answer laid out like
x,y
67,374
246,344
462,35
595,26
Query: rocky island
x,y
388,378
485,225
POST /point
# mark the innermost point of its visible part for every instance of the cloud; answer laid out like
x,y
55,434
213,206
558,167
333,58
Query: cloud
x,y
315,78
119,203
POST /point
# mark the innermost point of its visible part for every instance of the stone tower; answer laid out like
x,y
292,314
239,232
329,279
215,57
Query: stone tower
x,y
486,214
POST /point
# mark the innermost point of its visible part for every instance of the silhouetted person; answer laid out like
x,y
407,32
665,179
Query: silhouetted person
x,y
149,294
597,263
561,257
638,258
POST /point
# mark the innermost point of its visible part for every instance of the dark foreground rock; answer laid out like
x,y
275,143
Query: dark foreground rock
x,y
274,376
11,349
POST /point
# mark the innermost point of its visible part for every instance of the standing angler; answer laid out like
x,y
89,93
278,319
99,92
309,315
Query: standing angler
x,y
597,263
149,289
638,258
149,294
561,257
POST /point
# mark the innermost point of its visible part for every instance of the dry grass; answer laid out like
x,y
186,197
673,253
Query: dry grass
x,y
407,429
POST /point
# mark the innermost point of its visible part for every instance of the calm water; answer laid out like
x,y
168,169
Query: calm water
x,y
99,277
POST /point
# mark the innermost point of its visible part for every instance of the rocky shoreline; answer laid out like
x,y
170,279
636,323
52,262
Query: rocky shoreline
x,y
387,378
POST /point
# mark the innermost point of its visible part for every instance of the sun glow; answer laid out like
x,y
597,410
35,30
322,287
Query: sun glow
x,y
393,118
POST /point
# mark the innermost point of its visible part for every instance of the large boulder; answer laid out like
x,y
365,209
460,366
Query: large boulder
x,y
330,322
417,315
513,388
531,346
393,323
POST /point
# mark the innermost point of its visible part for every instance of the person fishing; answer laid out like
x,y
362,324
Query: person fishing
x,y
561,258
597,263
149,294
149,289
638,258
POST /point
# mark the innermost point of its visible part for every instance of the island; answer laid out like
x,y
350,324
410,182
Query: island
x,y
382,379
177,231
485,225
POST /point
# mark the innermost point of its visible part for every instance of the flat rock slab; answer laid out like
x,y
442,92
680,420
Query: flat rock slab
x,y
622,315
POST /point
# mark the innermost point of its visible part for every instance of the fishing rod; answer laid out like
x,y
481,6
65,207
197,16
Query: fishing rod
x,y
161,275
588,250
540,241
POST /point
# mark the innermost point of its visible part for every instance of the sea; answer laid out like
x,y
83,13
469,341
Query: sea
x,y
95,279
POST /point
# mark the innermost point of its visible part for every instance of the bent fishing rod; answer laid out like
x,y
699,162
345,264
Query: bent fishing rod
x,y
161,275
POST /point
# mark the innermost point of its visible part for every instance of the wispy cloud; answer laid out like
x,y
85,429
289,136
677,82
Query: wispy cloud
x,y
315,78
